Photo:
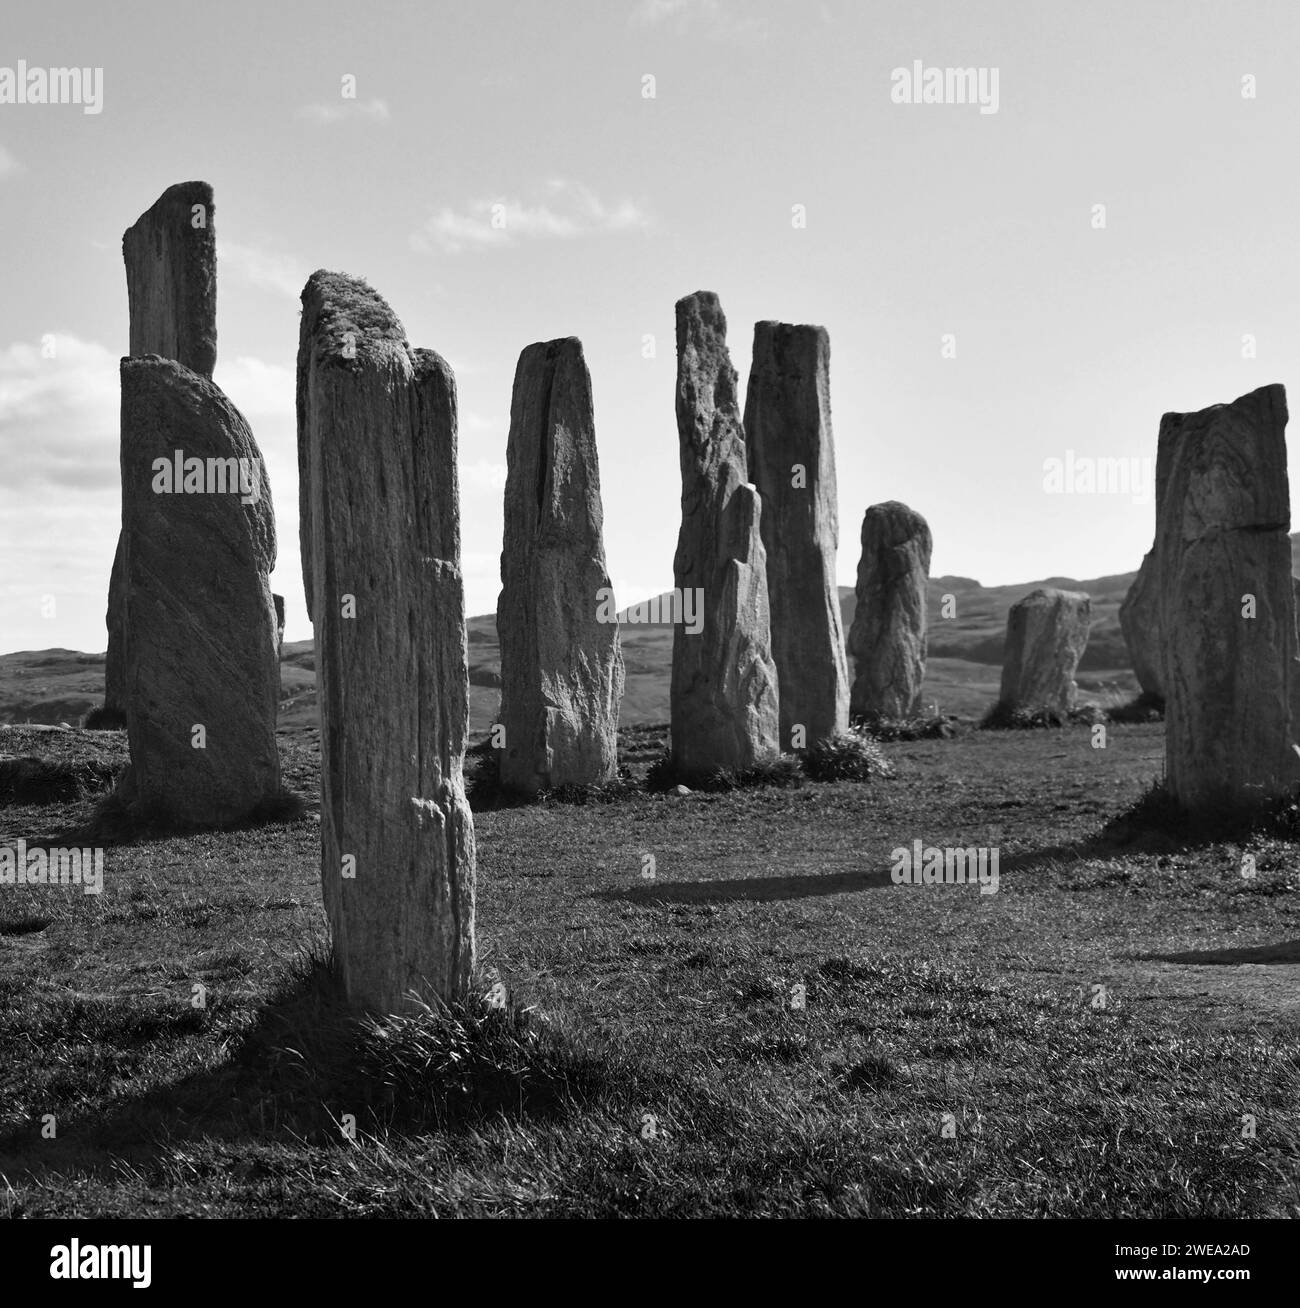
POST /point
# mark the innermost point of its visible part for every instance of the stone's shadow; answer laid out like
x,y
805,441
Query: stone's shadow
x,y
287,1074
752,889
1287,951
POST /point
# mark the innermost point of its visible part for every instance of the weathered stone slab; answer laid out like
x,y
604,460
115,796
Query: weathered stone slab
x,y
171,278
791,458
1047,632
887,638
1227,603
201,680
114,710
724,683
171,284
380,529
1139,620
561,670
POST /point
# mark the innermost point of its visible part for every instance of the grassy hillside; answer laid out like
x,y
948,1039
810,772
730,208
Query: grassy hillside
x,y
57,685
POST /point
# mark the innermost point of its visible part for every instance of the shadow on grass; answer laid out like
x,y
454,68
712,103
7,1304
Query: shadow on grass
x,y
305,1062
753,889
1288,951
115,822
33,780
1154,824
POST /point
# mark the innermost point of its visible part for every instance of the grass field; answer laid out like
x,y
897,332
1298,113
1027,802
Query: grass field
x,y
1084,1042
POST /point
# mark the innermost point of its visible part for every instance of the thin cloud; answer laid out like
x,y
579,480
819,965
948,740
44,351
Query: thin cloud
x,y
715,19
258,389
276,272
59,411
567,210
374,111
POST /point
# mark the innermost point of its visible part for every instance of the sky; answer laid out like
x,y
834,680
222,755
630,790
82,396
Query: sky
x,y
1001,289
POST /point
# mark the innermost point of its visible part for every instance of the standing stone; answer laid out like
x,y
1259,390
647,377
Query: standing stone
x,y
887,638
171,284
202,685
1139,620
561,670
724,683
171,278
791,457
1047,632
114,710
1227,605
380,526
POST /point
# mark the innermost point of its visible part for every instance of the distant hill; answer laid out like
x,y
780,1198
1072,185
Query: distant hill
x,y
61,685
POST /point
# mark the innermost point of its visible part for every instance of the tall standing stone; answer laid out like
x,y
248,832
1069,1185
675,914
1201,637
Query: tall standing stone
x,y
171,278
1227,605
561,670
198,545
1139,620
1047,632
791,457
724,707
171,284
380,526
887,638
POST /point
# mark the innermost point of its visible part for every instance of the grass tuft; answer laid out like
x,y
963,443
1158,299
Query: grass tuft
x,y
1003,717
103,718
852,755
32,780
931,727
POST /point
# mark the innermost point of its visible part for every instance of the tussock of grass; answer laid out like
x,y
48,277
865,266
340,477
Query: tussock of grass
x,y
934,727
1002,717
103,718
851,755
32,780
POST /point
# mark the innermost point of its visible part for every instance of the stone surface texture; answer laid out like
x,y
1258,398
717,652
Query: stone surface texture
x,y
1223,515
561,670
791,458
1047,632
380,534
887,638
198,619
171,285
724,707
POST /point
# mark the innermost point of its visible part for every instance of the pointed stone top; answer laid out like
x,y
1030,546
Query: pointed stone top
x,y
894,520
704,303
708,414
182,195
347,318
701,324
